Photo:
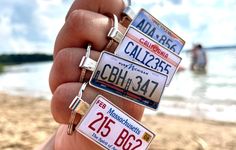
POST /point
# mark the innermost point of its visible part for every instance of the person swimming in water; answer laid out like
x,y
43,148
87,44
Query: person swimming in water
x,y
199,59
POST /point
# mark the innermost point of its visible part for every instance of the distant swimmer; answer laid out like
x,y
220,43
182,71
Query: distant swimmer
x,y
199,59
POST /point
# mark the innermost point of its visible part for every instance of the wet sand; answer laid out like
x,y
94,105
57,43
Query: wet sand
x,y
25,122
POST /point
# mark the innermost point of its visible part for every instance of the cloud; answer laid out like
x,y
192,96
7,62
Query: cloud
x,y
30,26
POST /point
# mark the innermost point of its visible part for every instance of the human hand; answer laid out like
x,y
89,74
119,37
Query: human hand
x,y
85,23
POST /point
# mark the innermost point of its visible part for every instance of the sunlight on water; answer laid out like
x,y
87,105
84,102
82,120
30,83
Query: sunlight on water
x,y
27,79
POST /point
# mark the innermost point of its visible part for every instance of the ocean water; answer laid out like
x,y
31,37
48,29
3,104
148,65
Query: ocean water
x,y
27,79
206,96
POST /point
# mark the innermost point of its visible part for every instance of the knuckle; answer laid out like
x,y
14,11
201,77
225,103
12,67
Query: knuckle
x,y
58,69
62,56
77,20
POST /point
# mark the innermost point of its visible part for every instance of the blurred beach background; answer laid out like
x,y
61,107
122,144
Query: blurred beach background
x,y
210,95
197,111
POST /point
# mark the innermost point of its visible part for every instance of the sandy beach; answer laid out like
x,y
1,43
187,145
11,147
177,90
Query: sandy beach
x,y
25,122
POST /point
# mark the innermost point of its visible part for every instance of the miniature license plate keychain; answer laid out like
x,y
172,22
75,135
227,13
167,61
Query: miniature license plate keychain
x,y
138,47
152,27
107,125
127,79
113,129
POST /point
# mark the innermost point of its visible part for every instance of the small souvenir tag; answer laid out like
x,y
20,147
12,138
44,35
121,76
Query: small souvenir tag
x,y
140,48
128,80
112,128
152,27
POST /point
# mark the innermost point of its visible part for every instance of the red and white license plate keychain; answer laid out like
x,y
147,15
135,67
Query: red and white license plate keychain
x,y
113,129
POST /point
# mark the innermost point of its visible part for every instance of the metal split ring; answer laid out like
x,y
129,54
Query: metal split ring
x,y
115,35
74,108
83,71
128,14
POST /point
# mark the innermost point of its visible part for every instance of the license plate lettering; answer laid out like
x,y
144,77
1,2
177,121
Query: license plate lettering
x,y
149,25
119,77
143,87
114,75
128,80
103,123
136,52
113,129
125,140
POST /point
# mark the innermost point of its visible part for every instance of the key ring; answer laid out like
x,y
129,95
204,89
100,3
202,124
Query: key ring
x,y
114,34
83,71
128,14
77,106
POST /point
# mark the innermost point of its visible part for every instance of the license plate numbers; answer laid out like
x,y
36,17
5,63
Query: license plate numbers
x,y
113,129
138,47
152,27
128,80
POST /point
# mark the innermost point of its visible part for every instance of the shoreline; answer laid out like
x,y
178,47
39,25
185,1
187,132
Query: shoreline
x,y
26,122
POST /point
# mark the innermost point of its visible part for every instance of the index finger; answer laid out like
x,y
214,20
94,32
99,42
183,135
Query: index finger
x,y
100,6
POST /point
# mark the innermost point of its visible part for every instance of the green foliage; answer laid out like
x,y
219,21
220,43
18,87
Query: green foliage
x,y
23,58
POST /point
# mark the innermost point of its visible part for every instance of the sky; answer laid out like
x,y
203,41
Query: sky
x,y
32,26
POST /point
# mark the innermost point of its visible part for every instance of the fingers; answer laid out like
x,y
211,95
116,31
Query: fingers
x,y
65,93
82,27
66,66
62,98
99,6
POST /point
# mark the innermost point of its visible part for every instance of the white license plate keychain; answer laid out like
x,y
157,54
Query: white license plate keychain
x,y
113,129
140,48
156,30
126,79
109,132
151,27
